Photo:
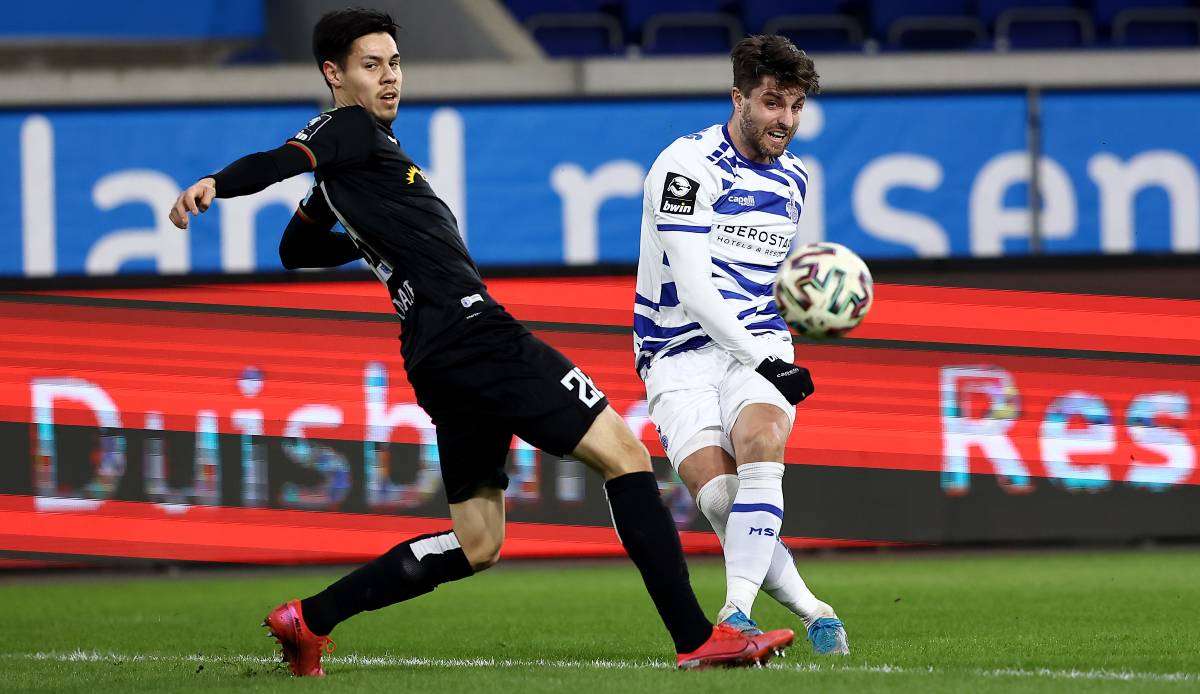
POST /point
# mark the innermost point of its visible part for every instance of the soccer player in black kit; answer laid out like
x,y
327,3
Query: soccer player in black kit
x,y
480,375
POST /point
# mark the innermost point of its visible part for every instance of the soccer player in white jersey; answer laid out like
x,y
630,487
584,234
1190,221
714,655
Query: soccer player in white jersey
x,y
719,215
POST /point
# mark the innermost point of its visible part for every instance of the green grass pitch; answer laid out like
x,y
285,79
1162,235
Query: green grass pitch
x,y
929,622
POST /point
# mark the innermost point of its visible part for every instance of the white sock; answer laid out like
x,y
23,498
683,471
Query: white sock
x,y
715,499
782,581
751,533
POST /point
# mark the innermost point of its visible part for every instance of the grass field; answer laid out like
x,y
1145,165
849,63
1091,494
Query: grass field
x,y
1038,621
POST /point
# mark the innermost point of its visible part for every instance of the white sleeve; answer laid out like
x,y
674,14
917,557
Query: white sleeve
x,y
682,194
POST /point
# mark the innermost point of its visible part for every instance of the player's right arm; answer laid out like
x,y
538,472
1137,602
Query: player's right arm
x,y
309,240
682,188
339,137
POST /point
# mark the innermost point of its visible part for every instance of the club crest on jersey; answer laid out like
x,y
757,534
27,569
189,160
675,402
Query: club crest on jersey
x,y
793,211
679,194
313,126
413,172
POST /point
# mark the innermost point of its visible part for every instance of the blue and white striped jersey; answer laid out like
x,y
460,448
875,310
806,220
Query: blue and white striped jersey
x,y
701,187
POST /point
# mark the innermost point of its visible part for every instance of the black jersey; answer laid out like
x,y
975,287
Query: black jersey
x,y
405,232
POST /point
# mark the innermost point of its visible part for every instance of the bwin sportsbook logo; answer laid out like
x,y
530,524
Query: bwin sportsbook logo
x,y
679,187
679,194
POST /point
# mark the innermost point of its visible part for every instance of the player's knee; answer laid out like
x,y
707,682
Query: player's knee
x,y
483,555
715,498
760,440
487,561
611,449
482,548
629,455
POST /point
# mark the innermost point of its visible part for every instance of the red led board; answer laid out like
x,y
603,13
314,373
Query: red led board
x,y
273,423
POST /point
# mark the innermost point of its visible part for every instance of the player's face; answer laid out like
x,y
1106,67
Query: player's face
x,y
767,118
371,77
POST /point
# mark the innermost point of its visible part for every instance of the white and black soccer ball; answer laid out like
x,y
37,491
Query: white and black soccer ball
x,y
823,290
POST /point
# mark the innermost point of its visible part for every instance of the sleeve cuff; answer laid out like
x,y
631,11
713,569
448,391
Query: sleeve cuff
x,y
691,228
312,158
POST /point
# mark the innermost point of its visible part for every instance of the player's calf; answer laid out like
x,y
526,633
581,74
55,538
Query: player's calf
x,y
645,527
479,527
409,569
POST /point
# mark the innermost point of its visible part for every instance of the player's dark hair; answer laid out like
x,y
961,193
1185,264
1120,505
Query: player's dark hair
x,y
336,31
759,56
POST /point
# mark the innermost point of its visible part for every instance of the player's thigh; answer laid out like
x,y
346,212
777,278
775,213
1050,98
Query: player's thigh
x,y
472,452
610,448
684,403
756,415
702,466
547,400
479,525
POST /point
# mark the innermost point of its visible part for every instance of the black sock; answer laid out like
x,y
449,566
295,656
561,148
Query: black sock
x,y
652,542
409,569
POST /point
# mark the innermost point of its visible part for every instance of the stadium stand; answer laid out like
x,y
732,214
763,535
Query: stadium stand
x,y
1037,24
1150,23
603,27
682,27
819,25
927,24
571,28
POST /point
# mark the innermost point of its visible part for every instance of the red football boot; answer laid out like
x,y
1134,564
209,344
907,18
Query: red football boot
x,y
726,647
302,649
770,644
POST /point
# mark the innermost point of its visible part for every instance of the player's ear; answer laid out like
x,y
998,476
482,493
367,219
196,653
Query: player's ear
x,y
735,96
333,73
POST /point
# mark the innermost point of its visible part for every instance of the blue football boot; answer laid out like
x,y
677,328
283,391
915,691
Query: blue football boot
x,y
828,637
740,621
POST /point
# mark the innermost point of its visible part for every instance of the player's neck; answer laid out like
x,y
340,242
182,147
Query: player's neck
x,y
342,101
743,146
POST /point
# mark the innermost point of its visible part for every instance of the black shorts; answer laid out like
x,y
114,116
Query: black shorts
x,y
495,382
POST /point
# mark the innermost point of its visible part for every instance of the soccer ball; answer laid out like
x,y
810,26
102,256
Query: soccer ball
x,y
823,290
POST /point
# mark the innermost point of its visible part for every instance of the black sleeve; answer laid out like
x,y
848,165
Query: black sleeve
x,y
254,172
309,240
342,136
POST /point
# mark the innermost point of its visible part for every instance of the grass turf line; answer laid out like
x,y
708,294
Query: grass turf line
x,y
1032,622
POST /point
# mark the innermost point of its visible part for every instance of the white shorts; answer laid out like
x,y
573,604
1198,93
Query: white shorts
x,y
695,398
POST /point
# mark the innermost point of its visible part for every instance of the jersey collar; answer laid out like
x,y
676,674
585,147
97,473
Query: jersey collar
x,y
743,160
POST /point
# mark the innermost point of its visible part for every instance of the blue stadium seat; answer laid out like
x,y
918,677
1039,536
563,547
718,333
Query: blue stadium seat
x,y
1150,23
816,25
524,9
927,24
682,27
570,28
1038,23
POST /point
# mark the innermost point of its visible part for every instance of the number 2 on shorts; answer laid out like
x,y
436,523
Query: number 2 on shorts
x,y
589,394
